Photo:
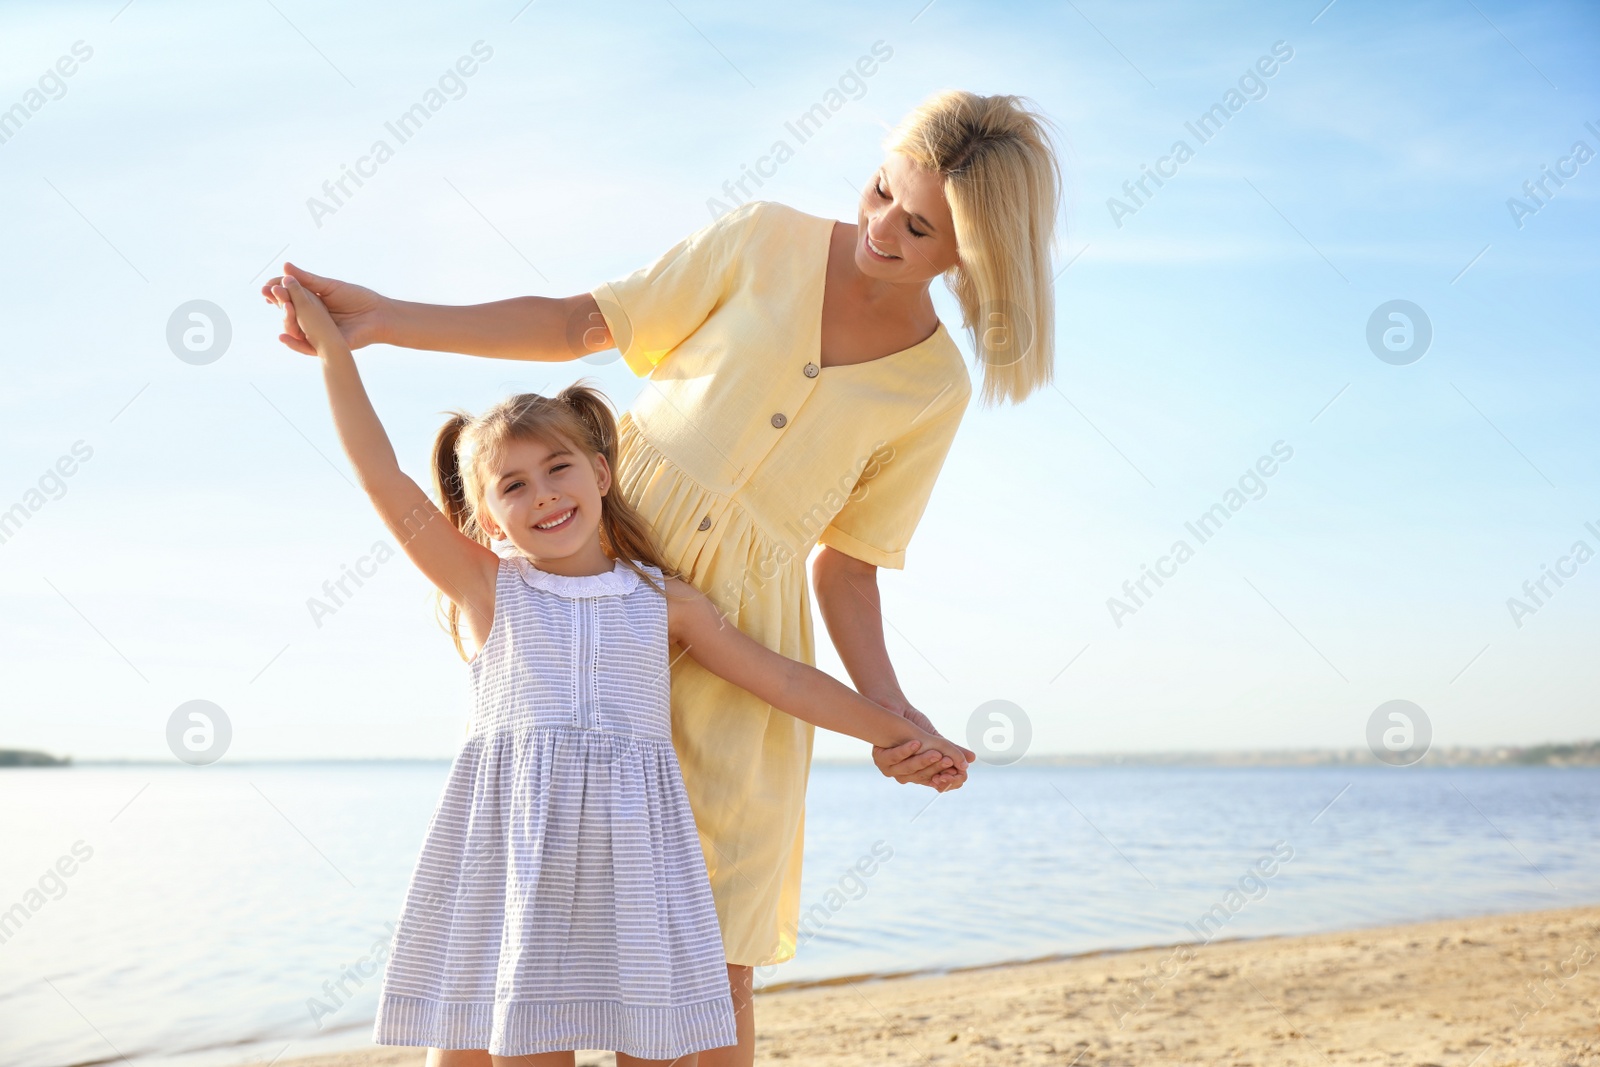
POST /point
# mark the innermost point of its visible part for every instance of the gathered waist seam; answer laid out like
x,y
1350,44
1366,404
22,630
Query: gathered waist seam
x,y
730,500
501,729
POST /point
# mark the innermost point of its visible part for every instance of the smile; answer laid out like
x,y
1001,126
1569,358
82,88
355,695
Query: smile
x,y
560,520
874,250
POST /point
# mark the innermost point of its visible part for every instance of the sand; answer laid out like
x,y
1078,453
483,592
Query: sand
x,y
1488,992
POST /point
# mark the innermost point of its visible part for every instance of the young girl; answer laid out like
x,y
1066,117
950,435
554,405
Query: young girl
x,y
561,899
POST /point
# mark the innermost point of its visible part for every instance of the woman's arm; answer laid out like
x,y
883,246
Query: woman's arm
x,y
788,685
847,597
546,329
458,566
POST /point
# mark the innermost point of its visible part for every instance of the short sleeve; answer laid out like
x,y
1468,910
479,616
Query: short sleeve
x,y
651,311
877,521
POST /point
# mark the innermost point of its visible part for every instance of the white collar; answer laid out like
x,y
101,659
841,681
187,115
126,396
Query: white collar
x,y
620,580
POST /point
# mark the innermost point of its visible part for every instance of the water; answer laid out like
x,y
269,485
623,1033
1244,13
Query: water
x,y
215,903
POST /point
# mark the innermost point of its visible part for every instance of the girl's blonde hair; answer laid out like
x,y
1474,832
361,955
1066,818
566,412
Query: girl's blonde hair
x,y
467,448
1002,182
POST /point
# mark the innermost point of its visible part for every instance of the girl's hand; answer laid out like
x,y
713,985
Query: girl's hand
x,y
952,758
359,313
913,762
311,317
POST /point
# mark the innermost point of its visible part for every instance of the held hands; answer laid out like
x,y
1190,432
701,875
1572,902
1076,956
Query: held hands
x,y
951,765
357,312
930,759
319,335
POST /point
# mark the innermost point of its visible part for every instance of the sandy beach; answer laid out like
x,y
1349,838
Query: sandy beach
x,y
1493,991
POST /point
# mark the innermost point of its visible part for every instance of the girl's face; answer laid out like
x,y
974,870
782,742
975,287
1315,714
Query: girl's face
x,y
903,229
545,497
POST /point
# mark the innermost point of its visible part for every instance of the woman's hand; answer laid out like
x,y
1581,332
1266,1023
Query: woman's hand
x,y
914,762
359,313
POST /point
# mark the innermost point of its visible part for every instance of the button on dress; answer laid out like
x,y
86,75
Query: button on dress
x,y
561,900
739,424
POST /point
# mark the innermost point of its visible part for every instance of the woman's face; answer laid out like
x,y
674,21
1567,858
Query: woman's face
x,y
903,215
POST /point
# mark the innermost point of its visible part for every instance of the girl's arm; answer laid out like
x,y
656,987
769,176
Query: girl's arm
x,y
461,568
788,685
548,329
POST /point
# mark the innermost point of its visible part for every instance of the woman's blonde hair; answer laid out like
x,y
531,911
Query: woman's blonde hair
x,y
579,417
1002,182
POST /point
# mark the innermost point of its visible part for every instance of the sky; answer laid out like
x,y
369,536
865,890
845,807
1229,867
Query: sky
x,y
1208,327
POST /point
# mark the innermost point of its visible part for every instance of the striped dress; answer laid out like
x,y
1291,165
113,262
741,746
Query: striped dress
x,y
561,898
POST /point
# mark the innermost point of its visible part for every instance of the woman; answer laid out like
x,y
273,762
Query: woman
x,y
801,390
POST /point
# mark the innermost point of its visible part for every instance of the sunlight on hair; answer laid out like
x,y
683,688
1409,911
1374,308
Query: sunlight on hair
x,y
1003,184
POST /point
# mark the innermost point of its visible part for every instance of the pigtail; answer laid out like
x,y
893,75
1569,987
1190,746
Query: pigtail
x,y
624,534
450,488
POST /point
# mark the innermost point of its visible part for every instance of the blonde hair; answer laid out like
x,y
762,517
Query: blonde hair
x,y
579,416
1003,183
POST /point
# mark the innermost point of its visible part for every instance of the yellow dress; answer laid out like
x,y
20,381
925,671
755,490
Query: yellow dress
x,y
743,452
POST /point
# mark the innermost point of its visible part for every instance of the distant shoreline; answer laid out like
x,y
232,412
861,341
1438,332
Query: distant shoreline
x,y
1573,754
21,757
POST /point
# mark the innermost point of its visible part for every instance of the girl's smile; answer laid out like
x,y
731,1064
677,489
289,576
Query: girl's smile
x,y
559,520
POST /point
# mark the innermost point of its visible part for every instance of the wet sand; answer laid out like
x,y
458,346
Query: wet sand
x,y
1492,991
